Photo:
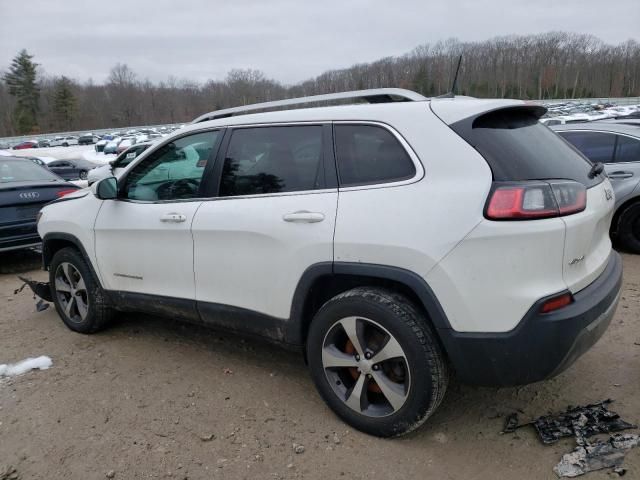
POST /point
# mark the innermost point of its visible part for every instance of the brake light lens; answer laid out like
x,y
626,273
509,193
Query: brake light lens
x,y
556,303
533,200
62,193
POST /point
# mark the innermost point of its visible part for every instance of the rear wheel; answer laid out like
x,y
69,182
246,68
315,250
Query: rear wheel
x,y
376,362
77,295
629,228
65,144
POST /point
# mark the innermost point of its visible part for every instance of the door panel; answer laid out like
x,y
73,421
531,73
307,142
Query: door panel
x,y
138,251
143,239
250,253
273,218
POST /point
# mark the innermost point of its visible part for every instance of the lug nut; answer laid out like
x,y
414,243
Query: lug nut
x,y
357,358
376,367
368,375
368,355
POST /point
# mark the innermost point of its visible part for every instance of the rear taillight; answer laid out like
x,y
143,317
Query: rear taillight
x,y
531,200
556,303
62,193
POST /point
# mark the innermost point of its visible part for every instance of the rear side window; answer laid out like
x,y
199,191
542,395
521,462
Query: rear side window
x,y
596,146
369,154
273,160
627,149
518,147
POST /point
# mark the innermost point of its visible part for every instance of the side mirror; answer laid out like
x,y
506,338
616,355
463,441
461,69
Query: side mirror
x,y
106,189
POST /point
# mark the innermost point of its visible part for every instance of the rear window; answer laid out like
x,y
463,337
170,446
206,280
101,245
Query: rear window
x,y
22,171
518,147
627,149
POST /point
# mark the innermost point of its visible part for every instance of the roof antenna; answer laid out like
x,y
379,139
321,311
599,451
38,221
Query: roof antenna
x,y
452,93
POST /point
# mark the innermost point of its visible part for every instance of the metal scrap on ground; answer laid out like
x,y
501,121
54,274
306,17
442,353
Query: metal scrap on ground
x,y
597,455
582,423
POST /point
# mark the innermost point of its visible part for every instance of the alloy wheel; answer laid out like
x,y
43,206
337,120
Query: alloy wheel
x,y
366,366
71,292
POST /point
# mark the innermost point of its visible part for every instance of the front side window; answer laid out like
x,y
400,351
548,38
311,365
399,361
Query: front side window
x,y
174,171
627,149
596,146
273,160
370,154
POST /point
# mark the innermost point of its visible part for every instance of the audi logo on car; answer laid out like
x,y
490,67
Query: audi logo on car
x,y
29,195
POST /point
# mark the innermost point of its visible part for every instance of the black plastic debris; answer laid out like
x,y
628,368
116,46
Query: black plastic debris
x,y
581,422
511,423
589,457
39,289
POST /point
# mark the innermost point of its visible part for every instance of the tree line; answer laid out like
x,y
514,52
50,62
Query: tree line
x,y
530,67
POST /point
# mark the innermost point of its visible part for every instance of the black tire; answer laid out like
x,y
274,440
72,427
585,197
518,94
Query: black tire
x,y
83,174
65,144
628,234
424,361
97,313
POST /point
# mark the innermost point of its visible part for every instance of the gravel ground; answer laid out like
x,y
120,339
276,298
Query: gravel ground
x,y
153,398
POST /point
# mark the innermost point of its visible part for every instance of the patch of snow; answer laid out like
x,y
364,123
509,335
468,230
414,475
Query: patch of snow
x,y
5,153
97,157
13,369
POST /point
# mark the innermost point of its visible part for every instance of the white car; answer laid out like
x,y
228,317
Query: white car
x,y
392,242
116,166
64,141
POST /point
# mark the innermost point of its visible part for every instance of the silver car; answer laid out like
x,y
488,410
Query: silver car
x,y
617,146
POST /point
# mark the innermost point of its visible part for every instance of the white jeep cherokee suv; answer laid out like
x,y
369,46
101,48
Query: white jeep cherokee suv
x,y
393,242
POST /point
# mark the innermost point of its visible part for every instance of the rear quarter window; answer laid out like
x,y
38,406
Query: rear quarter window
x,y
518,147
369,154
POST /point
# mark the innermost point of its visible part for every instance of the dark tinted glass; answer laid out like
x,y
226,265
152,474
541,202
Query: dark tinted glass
x,y
596,146
518,147
22,171
273,160
627,149
369,154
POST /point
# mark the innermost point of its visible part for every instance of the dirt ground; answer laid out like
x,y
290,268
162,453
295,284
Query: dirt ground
x,y
153,398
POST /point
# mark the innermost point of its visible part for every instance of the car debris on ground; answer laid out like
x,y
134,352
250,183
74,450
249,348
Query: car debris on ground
x,y
41,292
583,422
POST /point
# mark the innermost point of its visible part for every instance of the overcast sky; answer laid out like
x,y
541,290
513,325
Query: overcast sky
x,y
289,40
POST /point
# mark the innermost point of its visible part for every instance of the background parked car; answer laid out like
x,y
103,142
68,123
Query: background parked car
x,y
71,169
44,142
617,146
88,139
56,142
71,140
26,144
112,146
124,144
115,166
100,144
24,189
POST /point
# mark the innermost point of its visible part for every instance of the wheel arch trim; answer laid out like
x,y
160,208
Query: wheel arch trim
x,y
411,280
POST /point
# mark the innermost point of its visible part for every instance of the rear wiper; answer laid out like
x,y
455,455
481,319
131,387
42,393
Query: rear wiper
x,y
596,170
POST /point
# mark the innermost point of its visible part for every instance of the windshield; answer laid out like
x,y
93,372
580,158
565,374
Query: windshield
x,y
22,171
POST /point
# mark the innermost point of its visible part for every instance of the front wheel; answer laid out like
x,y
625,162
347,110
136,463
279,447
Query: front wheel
x,y
376,362
77,295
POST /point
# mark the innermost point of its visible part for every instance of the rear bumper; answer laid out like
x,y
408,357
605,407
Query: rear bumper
x,y
542,345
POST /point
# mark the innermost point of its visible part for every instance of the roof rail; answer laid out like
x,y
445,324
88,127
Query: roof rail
x,y
375,95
